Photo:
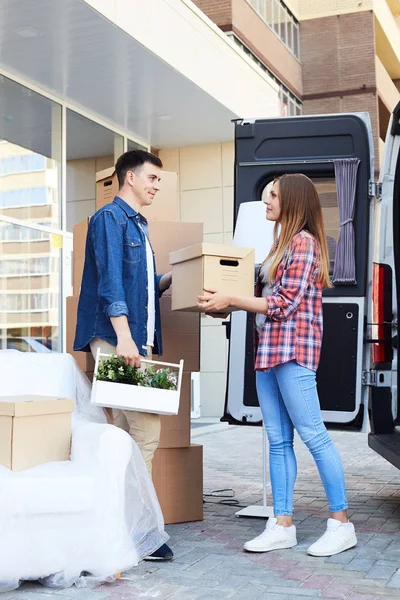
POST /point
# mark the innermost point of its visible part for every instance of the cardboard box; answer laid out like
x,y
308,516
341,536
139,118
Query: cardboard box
x,y
79,246
178,480
175,430
167,237
226,269
34,430
85,360
181,340
181,336
165,206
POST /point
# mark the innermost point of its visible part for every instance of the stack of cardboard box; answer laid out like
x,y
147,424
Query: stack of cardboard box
x,y
178,464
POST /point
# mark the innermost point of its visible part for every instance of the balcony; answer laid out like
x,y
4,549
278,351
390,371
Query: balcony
x,y
387,36
387,91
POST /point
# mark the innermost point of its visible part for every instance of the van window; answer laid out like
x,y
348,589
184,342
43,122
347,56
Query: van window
x,y
326,188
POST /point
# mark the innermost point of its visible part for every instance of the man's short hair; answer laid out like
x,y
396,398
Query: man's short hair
x,y
133,160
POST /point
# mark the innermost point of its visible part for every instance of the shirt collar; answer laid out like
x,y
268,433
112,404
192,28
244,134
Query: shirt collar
x,y
131,212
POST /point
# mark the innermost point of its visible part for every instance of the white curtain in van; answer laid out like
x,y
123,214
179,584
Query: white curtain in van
x,y
344,271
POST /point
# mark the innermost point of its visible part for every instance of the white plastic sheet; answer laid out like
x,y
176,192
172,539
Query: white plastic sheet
x,y
78,522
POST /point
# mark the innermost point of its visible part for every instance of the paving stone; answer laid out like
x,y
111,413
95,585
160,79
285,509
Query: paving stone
x,y
209,559
395,580
337,591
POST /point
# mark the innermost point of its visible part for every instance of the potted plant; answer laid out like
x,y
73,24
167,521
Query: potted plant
x,y
154,389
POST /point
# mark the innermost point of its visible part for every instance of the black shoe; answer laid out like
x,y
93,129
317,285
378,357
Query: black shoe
x,y
163,553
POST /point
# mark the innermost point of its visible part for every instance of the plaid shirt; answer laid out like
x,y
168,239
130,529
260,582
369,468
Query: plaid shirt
x,y
293,324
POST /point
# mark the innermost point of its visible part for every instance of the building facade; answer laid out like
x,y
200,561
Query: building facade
x,y
83,81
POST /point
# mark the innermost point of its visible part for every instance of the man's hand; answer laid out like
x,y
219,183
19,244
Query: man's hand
x,y
126,347
165,282
213,303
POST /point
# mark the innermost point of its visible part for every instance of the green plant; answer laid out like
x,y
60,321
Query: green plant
x,y
116,370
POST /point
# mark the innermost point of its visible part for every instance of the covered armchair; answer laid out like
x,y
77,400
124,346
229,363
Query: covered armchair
x,y
78,521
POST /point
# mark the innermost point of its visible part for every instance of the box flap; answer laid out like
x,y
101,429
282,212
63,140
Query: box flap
x,y
198,250
105,174
24,406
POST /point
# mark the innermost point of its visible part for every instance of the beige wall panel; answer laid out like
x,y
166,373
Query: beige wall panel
x,y
213,238
203,206
213,349
200,167
227,198
228,161
212,394
170,159
228,237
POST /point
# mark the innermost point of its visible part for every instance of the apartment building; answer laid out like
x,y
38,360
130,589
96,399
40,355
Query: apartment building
x,y
350,52
331,55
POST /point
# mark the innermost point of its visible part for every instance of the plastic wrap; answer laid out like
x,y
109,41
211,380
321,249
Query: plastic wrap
x,y
85,520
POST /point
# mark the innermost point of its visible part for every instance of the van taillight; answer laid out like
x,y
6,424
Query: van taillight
x,y
382,312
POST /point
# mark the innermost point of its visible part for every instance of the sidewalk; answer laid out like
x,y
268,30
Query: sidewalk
x,y
210,563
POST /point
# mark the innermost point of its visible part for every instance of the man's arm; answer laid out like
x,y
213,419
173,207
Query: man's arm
x,y
107,243
165,282
125,345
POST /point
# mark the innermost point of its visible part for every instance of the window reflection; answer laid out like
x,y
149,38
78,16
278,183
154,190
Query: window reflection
x,y
30,155
29,288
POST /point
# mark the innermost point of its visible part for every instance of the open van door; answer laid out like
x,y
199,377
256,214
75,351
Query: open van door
x,y
384,402
267,148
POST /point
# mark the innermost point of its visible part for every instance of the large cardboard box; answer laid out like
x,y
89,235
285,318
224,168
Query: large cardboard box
x,y
79,246
181,340
175,430
34,430
181,336
165,206
85,360
195,269
178,480
167,237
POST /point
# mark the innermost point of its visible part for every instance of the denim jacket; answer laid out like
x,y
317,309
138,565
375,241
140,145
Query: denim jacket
x,y
114,281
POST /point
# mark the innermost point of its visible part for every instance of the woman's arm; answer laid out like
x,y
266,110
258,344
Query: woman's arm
x,y
216,302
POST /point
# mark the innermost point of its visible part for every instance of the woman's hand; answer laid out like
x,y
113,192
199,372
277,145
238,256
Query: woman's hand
x,y
214,302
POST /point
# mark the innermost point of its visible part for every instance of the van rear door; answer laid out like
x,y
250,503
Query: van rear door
x,y
264,149
384,403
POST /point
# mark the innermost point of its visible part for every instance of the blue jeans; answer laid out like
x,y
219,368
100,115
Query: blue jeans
x,y
288,399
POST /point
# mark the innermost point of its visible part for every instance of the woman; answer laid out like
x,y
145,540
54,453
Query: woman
x,y
289,333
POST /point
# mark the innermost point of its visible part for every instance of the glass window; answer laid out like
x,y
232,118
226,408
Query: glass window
x,y
91,148
277,17
30,154
326,188
290,25
280,20
296,40
135,146
284,20
29,288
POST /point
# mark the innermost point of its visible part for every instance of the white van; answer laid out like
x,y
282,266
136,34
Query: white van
x,y
357,376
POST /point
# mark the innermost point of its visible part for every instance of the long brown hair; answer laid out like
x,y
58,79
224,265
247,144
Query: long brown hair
x,y
300,210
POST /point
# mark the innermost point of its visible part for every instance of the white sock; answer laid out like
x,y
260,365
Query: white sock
x,y
348,524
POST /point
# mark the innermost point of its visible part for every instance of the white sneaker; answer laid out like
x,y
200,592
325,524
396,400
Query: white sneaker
x,y
337,538
275,537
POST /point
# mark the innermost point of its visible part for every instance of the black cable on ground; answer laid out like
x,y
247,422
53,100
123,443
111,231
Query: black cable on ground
x,y
227,496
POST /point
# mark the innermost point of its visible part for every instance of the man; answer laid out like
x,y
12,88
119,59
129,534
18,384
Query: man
x,y
118,308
